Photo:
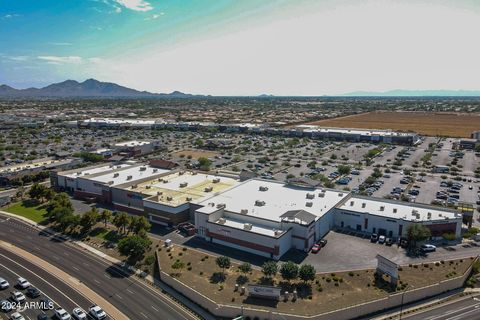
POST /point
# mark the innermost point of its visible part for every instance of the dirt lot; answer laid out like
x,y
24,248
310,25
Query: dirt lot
x,y
334,290
194,154
431,124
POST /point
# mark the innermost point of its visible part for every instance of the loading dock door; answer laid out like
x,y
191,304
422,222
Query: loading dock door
x,y
382,232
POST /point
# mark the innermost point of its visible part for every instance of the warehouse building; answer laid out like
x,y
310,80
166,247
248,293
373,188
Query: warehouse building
x,y
135,148
269,218
169,198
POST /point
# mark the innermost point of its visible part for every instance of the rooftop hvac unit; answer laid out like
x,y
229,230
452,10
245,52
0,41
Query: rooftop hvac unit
x,y
148,187
277,232
394,210
310,195
221,205
194,173
188,198
116,174
222,221
155,170
259,203
165,181
118,167
382,208
263,188
247,226
143,168
87,173
159,193
429,215
129,177
79,173
216,180
160,179
169,198
352,203
340,194
181,173
309,204
321,195
110,183
244,211
134,186
364,205
208,189
110,166
183,184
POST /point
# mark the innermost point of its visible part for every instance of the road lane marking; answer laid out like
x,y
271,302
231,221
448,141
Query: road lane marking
x,y
96,281
155,308
107,276
461,315
143,314
119,296
130,291
76,269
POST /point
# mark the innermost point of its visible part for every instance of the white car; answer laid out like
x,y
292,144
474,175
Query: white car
x,y
4,284
62,314
16,316
23,283
428,247
79,314
18,297
97,313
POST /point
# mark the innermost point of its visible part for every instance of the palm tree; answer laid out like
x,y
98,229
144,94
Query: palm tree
x,y
106,216
121,221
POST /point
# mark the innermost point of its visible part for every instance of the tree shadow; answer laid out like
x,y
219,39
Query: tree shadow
x,y
261,302
265,281
217,277
116,271
242,279
304,290
382,282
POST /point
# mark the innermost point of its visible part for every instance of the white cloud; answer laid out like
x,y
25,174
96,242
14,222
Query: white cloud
x,y
136,5
61,60
375,45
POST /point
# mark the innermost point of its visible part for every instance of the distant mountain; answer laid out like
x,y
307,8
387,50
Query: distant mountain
x,y
89,88
416,93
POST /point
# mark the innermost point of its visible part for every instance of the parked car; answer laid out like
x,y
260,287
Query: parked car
x,y
381,239
33,292
18,297
316,248
322,242
46,304
388,242
428,247
16,316
62,314
374,237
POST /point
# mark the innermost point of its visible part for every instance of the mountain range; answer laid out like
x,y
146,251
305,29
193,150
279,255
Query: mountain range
x,y
89,88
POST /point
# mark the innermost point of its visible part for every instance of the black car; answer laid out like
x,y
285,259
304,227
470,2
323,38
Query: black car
x,y
323,242
33,292
46,304
374,237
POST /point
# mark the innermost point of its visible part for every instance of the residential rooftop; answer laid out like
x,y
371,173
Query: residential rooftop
x,y
271,199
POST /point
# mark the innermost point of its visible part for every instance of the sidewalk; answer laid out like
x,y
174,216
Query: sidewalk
x,y
175,296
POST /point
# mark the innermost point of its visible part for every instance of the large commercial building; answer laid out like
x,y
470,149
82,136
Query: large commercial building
x,y
268,218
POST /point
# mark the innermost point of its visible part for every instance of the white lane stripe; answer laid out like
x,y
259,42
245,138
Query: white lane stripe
x,y
143,314
96,281
155,308
462,315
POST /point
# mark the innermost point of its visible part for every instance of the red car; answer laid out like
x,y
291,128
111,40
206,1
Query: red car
x,y
316,248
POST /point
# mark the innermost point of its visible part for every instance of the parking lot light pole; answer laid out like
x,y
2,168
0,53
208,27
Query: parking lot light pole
x,y
401,304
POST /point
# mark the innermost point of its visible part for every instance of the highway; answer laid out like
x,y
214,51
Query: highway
x,y
465,309
131,296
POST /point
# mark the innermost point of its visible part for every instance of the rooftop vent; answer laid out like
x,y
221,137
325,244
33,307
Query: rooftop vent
x,y
352,203
321,195
181,173
277,232
244,211
116,174
148,187
394,210
221,221
110,183
169,198
221,205
309,204
188,198
216,180
247,226
159,193
259,203
155,170
340,194
143,168
263,188
165,181
129,177
134,186
364,205
208,189
310,195
183,184
382,208
429,215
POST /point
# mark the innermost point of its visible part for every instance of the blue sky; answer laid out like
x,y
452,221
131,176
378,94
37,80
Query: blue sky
x,y
230,47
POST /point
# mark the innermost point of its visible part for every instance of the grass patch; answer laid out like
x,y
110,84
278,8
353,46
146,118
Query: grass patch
x,y
28,209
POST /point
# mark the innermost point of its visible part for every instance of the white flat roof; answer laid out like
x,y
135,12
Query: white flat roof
x,y
28,165
134,172
81,172
397,210
279,198
370,132
256,228
132,143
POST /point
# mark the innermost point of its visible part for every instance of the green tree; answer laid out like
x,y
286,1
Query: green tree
x,y
89,219
245,268
343,169
141,223
306,272
178,265
223,263
38,192
289,271
106,216
204,164
417,232
270,269
59,200
134,247
121,221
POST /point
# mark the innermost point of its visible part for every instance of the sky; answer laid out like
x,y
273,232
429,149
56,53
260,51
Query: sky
x,y
243,47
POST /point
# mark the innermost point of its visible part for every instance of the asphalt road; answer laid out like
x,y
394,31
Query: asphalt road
x,y
12,267
459,310
132,297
